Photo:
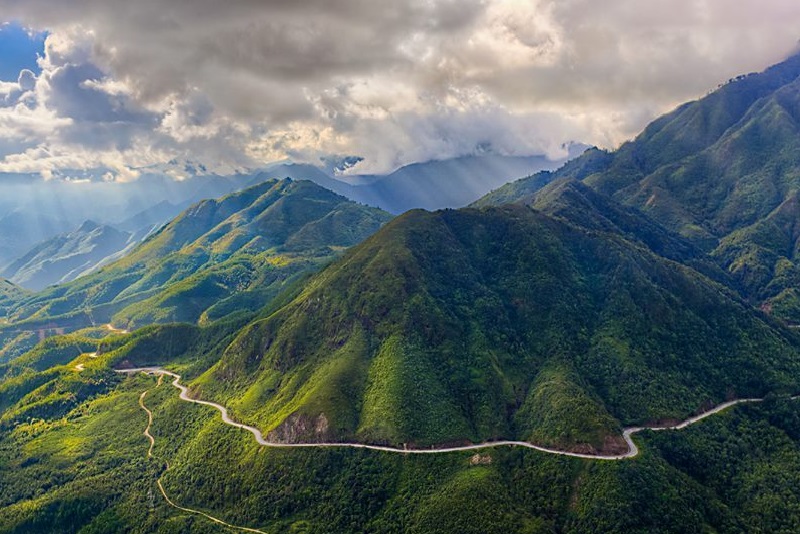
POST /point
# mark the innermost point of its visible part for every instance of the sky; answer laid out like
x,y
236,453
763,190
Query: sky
x,y
114,88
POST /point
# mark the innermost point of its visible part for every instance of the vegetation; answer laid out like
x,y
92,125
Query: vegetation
x,y
253,242
67,256
462,326
559,319
9,295
49,353
87,470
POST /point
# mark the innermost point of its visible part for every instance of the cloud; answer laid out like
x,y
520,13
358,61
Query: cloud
x,y
239,83
26,80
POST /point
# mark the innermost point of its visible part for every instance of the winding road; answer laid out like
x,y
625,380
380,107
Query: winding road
x,y
633,450
627,434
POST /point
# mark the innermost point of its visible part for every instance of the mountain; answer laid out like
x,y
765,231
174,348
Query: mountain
x,y
723,171
471,325
33,211
217,257
574,201
592,161
556,321
559,309
300,171
718,164
20,230
152,217
66,257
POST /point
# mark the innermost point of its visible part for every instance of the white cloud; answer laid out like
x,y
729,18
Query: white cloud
x,y
242,82
26,80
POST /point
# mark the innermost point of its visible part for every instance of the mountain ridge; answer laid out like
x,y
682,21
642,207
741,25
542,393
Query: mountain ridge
x,y
428,327
215,249
67,256
714,170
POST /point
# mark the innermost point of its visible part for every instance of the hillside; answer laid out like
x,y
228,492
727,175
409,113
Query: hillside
x,y
470,325
10,292
723,171
90,468
627,288
231,254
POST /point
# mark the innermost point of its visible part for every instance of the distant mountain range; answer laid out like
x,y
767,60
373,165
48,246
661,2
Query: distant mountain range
x,y
431,185
37,214
217,257
66,257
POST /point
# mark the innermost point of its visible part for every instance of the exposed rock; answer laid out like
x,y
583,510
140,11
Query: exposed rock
x,y
480,459
301,428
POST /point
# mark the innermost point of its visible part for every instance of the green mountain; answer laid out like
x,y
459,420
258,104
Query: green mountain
x,y
588,305
723,171
471,325
216,258
444,327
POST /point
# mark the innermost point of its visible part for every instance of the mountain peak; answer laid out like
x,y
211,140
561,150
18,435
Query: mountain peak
x,y
88,226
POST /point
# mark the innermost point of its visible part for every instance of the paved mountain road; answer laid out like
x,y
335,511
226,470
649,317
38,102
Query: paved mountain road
x,y
633,450
627,434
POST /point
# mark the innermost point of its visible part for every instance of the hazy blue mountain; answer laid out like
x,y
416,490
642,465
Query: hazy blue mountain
x,y
66,257
154,216
452,183
33,211
431,185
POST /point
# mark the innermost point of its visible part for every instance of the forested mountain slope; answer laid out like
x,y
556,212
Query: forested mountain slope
x,y
467,325
723,171
444,327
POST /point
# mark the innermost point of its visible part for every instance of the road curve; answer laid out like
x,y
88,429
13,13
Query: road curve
x,y
627,433
149,424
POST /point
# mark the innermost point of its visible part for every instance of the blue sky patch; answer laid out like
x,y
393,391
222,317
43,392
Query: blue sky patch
x,y
18,50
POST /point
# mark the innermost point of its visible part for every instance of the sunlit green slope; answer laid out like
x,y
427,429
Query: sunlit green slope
x,y
218,257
